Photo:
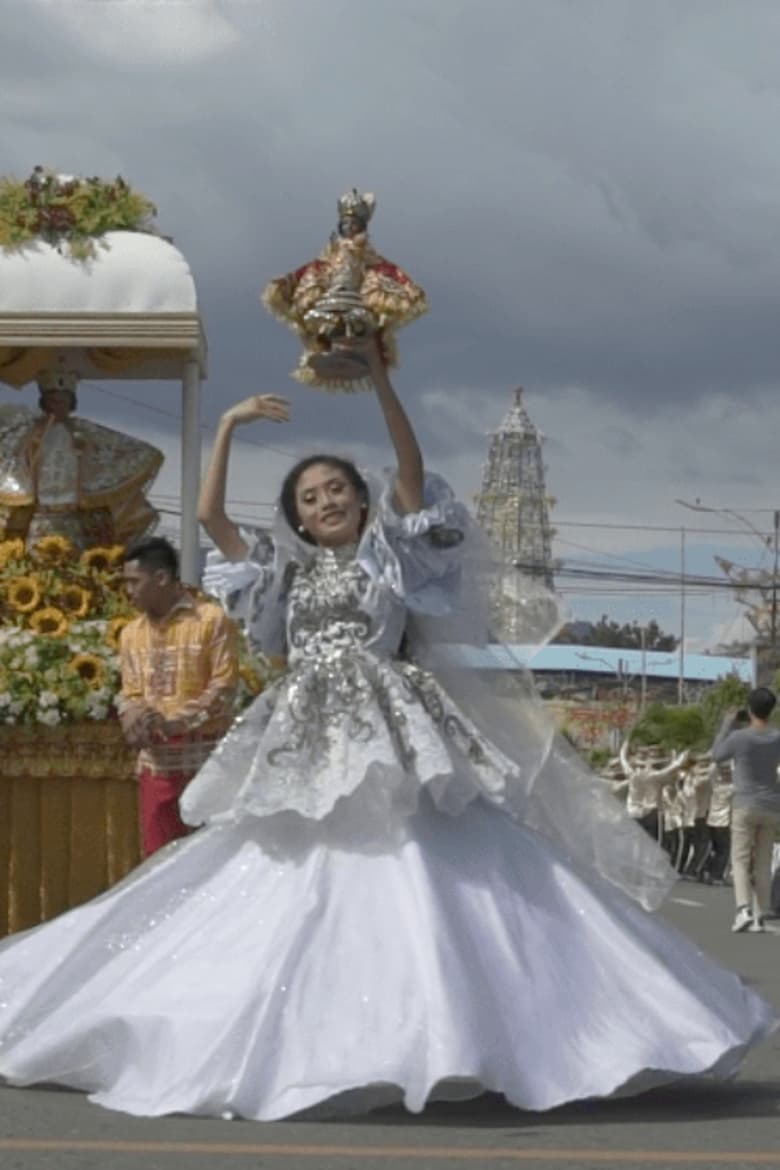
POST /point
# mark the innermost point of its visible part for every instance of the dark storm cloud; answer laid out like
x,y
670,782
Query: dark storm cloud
x,y
587,190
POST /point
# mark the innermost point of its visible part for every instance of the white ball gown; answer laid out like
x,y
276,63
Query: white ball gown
x,y
379,906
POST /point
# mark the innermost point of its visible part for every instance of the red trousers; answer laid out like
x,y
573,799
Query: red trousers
x,y
158,798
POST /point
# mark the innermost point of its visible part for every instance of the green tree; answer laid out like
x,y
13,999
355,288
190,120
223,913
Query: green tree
x,y
693,726
628,636
727,692
674,728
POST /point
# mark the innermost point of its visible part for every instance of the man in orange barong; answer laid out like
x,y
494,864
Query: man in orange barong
x,y
66,476
179,661
343,297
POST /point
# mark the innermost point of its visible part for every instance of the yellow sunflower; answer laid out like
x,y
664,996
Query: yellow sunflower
x,y
89,668
116,555
114,632
251,680
99,559
11,550
75,601
54,549
24,594
50,621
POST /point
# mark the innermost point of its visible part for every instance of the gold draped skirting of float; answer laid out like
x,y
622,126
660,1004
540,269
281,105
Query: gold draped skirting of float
x,y
22,364
68,818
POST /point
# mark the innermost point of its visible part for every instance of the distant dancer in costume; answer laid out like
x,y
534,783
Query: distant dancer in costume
x,y
716,863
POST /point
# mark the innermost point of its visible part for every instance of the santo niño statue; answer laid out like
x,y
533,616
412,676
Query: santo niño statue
x,y
64,475
342,297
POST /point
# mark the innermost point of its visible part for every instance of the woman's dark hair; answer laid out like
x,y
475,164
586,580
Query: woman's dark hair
x,y
290,483
154,553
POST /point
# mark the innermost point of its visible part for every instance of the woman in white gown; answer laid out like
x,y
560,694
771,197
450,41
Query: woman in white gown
x,y
391,898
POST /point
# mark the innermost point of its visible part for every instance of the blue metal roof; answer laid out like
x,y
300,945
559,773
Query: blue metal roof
x,y
603,660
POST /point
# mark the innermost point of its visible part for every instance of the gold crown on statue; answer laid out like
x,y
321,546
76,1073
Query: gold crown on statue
x,y
57,379
357,205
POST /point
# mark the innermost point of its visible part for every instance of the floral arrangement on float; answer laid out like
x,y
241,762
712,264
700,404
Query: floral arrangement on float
x,y
62,611
70,213
61,614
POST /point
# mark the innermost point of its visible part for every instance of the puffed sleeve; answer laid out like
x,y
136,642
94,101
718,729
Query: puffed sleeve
x,y
249,589
420,554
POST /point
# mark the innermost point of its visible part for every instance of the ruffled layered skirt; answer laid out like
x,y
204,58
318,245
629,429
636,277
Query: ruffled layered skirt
x,y
257,971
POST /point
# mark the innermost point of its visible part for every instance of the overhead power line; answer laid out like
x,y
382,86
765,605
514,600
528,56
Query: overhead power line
x,y
177,418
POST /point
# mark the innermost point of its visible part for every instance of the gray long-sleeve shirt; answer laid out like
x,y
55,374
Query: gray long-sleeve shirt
x,y
756,755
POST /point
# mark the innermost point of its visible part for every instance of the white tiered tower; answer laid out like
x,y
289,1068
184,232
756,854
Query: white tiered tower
x,y
513,508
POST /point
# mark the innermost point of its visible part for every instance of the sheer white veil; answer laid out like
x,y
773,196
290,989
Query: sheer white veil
x,y
552,789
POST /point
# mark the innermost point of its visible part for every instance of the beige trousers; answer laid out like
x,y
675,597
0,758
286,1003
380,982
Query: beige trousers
x,y
753,833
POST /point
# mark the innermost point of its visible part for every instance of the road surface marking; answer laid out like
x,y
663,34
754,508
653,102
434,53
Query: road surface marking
x,y
452,1153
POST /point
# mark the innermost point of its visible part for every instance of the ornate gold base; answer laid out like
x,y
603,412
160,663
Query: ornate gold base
x,y
68,818
83,750
336,370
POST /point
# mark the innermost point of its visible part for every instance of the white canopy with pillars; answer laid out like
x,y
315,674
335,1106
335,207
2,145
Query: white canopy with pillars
x,y
130,312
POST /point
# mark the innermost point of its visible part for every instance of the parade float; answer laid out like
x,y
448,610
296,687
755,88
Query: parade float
x,y
68,816
68,822
88,289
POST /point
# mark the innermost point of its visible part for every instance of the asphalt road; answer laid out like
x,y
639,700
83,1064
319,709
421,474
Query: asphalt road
x,y
733,1125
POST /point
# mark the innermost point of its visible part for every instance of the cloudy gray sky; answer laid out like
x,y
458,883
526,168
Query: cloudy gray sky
x,y
587,189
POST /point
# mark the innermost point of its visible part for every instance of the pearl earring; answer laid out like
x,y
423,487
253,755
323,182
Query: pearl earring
x,y
301,529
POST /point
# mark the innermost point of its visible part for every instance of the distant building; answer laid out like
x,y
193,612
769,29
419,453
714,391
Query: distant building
x,y
602,672
513,509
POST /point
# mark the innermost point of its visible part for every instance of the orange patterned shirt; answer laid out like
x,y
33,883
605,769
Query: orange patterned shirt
x,y
185,666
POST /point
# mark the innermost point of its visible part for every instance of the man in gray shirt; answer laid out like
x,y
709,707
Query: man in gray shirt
x,y
755,814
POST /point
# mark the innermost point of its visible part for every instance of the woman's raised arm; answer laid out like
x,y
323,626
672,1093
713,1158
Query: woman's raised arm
x,y
211,506
409,481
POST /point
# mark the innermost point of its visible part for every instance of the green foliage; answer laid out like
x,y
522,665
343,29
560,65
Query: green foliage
x,y
673,728
69,213
57,680
598,757
568,734
726,693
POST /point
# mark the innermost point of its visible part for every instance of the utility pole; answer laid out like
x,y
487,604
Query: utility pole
x,y
773,622
764,584
681,672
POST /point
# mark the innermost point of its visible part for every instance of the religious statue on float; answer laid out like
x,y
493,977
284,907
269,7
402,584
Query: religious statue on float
x,y
64,475
337,301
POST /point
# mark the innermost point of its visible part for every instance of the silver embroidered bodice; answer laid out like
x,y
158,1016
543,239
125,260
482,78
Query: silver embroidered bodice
x,y
349,721
334,606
